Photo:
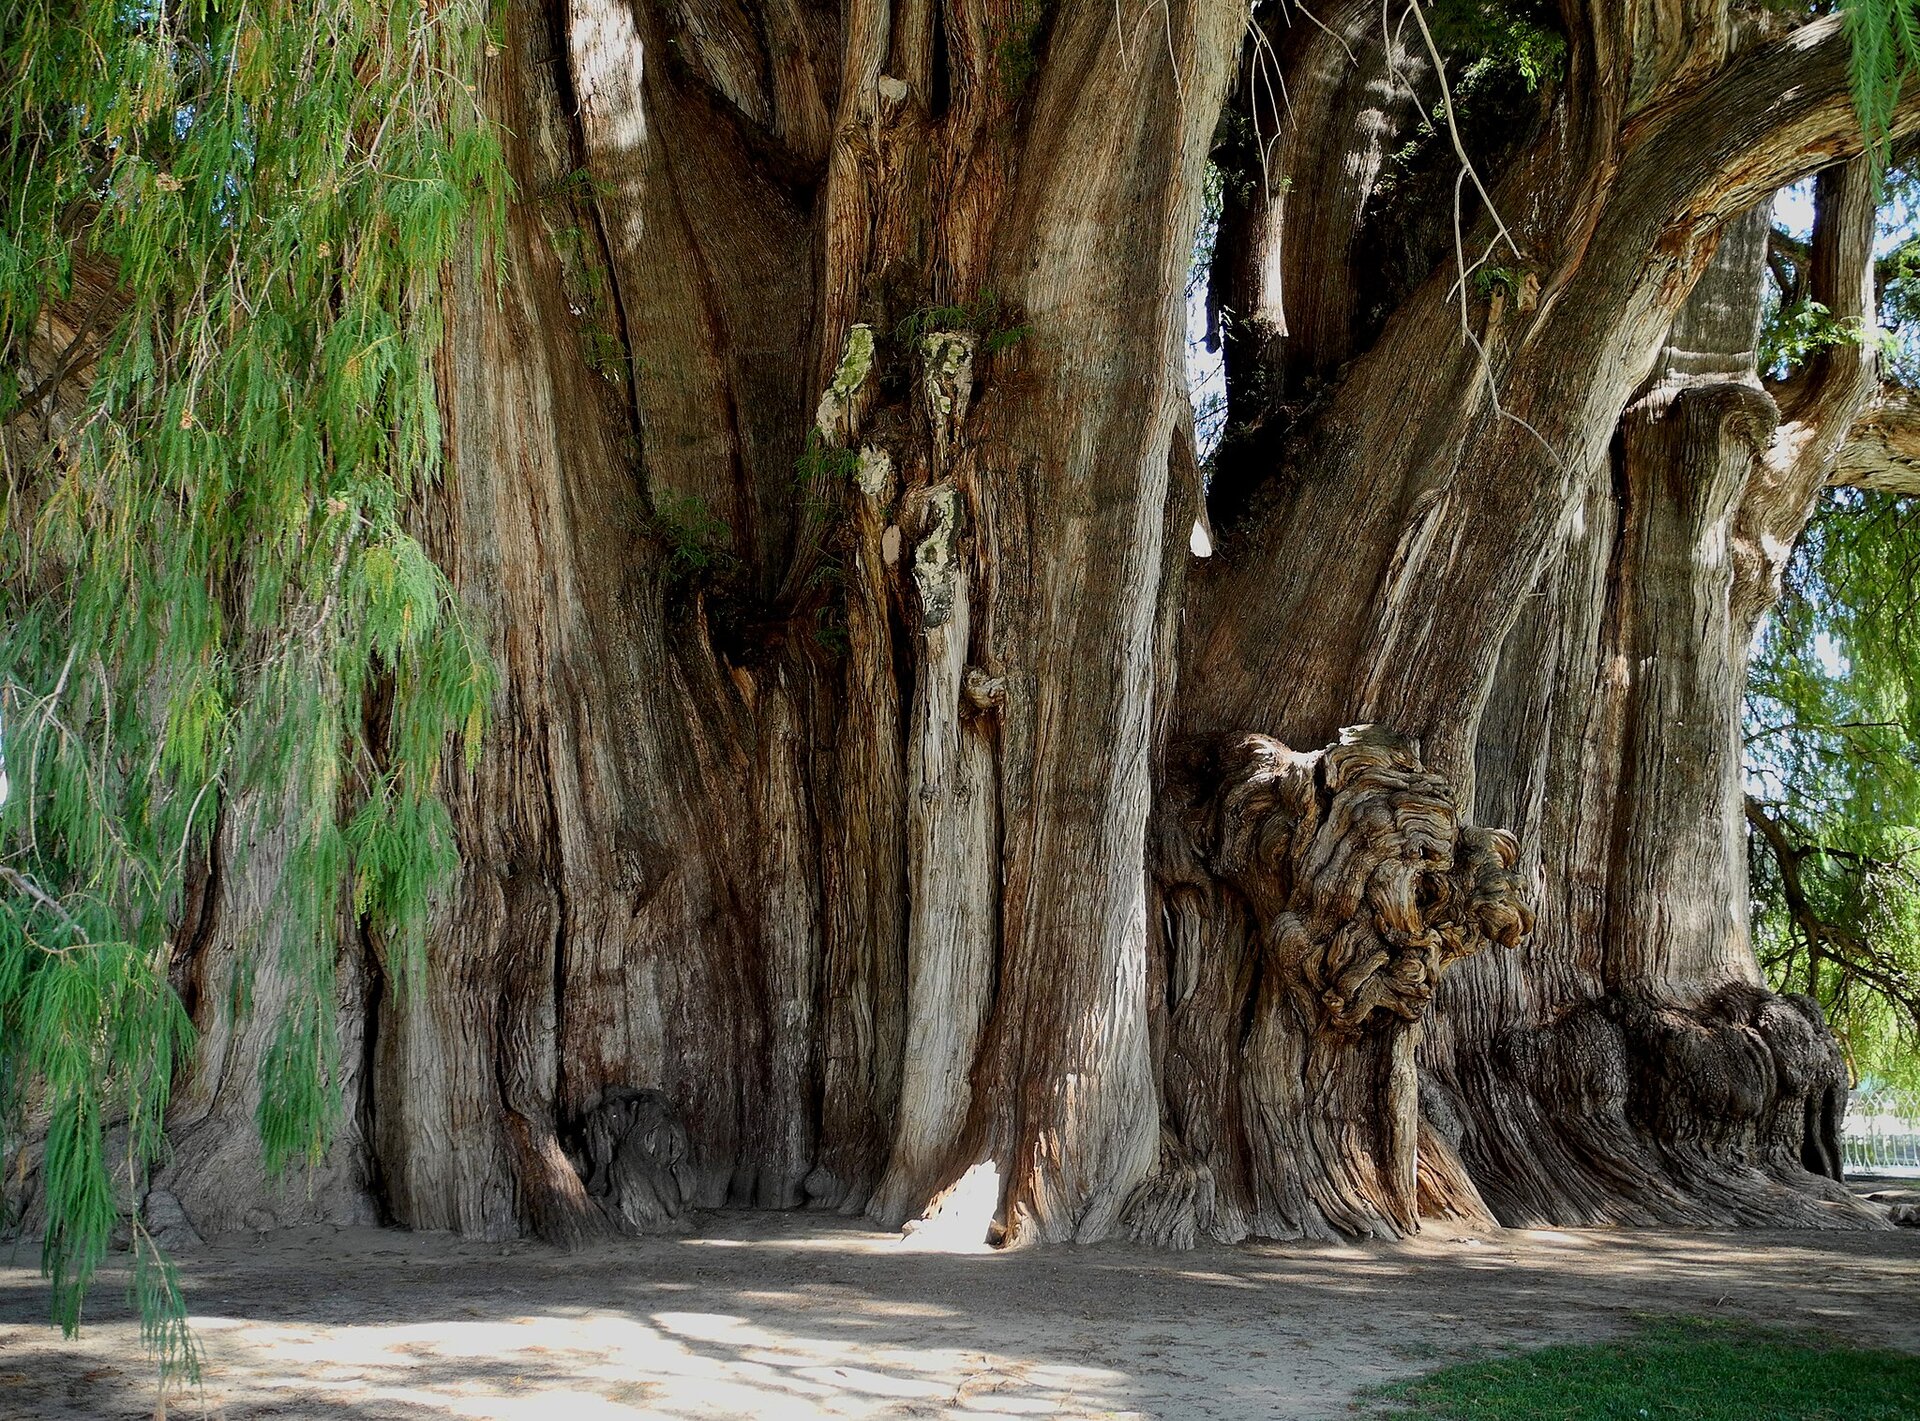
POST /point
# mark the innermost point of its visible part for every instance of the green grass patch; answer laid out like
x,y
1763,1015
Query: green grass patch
x,y
1672,1368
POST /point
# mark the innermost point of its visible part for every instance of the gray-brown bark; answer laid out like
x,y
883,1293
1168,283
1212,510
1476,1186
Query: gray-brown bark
x,y
1316,899
1702,1098
811,893
941,826
1883,448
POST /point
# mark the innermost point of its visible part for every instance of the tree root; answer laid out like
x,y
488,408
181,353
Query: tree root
x,y
1634,1110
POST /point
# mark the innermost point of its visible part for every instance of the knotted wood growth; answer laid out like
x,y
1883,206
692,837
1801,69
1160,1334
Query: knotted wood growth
x,y
635,1159
1365,884
1352,885
1634,1110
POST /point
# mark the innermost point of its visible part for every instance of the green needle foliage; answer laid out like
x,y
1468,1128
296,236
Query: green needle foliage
x,y
1833,703
1833,751
1885,53
242,208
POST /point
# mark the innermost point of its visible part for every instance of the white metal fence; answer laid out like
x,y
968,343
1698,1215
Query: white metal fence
x,y
1882,1131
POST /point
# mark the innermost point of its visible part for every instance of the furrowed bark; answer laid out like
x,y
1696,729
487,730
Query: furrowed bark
x,y
863,875
952,847
1702,1098
234,972
594,942
878,814
1078,514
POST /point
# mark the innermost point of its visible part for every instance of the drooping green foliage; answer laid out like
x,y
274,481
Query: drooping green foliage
x,y
1792,334
1884,38
1485,35
227,221
1833,741
1833,703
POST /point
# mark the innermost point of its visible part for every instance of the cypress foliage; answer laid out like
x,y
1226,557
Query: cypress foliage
x,y
1885,54
1833,747
204,570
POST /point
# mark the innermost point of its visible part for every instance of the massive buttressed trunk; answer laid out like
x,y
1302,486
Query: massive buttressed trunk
x,y
881,810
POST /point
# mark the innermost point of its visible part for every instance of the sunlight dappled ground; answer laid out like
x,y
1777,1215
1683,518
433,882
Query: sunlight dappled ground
x,y
803,1315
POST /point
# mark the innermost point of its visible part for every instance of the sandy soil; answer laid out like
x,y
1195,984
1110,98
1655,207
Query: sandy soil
x,y
802,1315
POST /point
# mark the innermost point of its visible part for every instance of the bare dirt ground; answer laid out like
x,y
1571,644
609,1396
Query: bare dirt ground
x,y
800,1315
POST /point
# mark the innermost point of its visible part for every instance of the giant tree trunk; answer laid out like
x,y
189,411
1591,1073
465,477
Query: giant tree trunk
x,y
1659,1080
878,815
1459,492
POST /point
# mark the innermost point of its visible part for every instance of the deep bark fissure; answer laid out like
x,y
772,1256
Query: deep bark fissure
x,y
557,978
366,1103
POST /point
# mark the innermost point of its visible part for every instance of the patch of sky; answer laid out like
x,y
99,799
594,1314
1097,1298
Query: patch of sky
x,y
1206,364
1896,249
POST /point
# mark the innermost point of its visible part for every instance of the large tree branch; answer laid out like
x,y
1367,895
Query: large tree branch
x,y
1824,940
76,352
1882,450
1776,114
1820,404
1786,267
68,336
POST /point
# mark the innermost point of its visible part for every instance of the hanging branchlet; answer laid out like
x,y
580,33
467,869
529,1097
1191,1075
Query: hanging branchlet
x,y
1832,744
1884,55
220,243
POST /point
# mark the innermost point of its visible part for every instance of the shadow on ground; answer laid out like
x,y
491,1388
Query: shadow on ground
x,y
802,1315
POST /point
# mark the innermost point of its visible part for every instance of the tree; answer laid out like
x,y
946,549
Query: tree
x,y
1832,736
880,808
1831,729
